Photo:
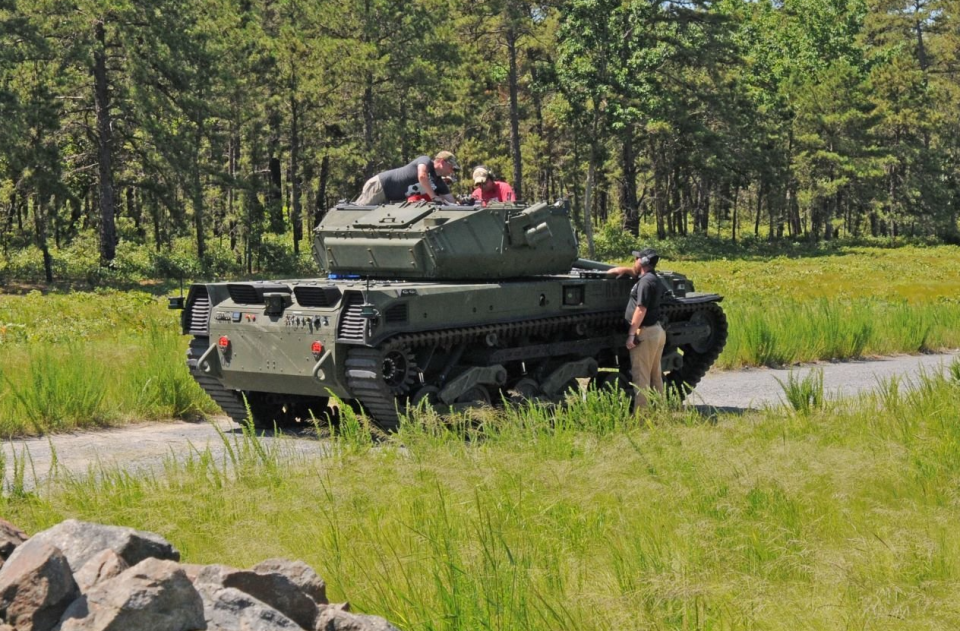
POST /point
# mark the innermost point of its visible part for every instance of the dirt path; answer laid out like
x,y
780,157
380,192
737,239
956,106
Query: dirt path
x,y
145,446
756,387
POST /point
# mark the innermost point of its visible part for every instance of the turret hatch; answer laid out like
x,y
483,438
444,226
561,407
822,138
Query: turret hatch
x,y
386,217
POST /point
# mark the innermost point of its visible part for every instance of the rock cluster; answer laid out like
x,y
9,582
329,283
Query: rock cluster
x,y
80,576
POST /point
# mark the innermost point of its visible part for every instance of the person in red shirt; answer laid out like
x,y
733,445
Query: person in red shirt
x,y
489,189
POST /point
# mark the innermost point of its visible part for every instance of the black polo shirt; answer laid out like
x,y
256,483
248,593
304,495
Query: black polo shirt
x,y
646,293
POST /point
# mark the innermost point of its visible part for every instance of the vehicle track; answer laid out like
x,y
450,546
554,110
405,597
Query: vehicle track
x,y
145,446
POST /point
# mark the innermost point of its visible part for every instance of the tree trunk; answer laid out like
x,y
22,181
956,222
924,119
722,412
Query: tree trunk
x,y
232,159
368,124
771,212
321,208
295,212
40,224
756,224
628,186
275,188
21,207
733,222
198,192
515,112
544,163
591,182
108,230
14,203
587,202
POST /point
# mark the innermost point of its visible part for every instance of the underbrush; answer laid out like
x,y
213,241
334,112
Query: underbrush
x,y
80,263
839,515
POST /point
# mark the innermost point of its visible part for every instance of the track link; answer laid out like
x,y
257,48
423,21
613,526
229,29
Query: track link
x,y
364,377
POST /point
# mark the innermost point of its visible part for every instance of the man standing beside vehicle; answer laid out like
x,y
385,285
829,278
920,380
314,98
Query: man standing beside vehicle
x,y
645,336
422,176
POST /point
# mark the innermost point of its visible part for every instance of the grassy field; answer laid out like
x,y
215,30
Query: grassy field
x,y
103,357
85,359
831,304
836,515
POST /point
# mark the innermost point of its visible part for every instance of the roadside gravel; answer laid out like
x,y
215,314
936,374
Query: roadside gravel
x,y
144,446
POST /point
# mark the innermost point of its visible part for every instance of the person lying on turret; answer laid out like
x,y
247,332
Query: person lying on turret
x,y
422,176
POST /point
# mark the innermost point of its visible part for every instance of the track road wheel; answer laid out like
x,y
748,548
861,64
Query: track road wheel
x,y
613,381
426,397
570,389
699,355
475,397
528,389
710,318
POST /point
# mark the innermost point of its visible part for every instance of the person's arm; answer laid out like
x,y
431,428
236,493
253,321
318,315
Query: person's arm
x,y
638,315
620,272
423,176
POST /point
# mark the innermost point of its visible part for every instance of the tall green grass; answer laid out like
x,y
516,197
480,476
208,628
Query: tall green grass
x,y
804,394
83,360
585,518
785,331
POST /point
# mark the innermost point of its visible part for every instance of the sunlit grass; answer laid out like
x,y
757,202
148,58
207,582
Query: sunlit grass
x,y
830,516
911,273
786,331
83,360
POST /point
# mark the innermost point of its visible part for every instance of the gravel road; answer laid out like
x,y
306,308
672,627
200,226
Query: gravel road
x,y
145,446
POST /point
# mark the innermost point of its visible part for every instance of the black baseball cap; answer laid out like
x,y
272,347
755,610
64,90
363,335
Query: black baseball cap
x,y
649,253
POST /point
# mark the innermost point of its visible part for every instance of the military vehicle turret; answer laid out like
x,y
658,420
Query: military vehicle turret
x,y
452,305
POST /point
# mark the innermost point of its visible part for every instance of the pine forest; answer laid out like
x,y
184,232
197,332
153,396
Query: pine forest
x,y
208,137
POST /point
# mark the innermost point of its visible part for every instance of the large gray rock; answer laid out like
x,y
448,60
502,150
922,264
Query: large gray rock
x,y
229,609
101,567
336,619
192,570
300,573
80,541
10,538
153,595
272,588
36,586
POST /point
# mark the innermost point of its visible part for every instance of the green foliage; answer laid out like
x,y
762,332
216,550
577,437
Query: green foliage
x,y
214,135
783,331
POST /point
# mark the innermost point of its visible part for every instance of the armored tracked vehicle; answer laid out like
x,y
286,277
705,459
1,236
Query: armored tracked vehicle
x,y
449,305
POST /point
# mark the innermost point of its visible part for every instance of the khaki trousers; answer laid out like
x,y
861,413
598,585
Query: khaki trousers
x,y
645,363
372,193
